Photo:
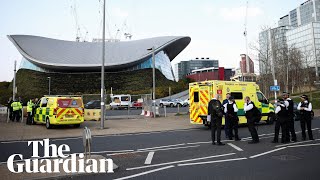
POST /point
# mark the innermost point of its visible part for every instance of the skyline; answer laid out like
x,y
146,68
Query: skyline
x,y
216,28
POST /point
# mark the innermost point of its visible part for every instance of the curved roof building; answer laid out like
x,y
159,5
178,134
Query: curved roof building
x,y
52,55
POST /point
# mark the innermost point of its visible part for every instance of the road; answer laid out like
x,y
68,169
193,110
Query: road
x,y
189,154
125,112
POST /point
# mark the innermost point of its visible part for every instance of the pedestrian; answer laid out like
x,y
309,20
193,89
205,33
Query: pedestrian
x,y
16,107
305,108
230,110
215,112
30,105
226,120
249,110
290,123
20,111
10,101
282,121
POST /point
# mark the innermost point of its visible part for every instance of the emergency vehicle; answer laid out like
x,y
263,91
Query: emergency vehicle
x,y
200,93
59,110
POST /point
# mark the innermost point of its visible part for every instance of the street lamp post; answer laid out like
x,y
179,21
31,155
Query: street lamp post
x,y
153,81
14,90
49,78
102,67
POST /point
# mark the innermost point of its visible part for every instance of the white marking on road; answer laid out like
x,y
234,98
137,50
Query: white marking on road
x,y
289,144
120,151
149,158
144,173
176,162
259,138
268,152
234,146
207,142
211,162
302,145
168,148
161,147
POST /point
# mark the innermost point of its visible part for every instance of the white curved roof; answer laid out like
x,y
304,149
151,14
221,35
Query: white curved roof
x,y
60,54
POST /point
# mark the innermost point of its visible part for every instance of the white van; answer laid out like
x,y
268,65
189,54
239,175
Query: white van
x,y
121,101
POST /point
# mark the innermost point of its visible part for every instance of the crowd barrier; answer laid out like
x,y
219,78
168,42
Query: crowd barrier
x,y
3,110
92,114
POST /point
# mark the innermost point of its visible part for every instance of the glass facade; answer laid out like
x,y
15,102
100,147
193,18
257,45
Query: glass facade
x,y
185,67
293,18
162,63
306,13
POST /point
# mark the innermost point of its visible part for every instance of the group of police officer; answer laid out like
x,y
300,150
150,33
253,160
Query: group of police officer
x,y
15,110
284,112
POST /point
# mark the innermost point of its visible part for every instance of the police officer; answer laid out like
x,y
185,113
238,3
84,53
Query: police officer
x,y
226,119
290,123
10,101
248,108
305,108
230,110
216,113
16,108
282,121
30,105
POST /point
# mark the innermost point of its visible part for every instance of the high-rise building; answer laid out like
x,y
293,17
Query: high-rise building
x,y
185,67
307,12
243,64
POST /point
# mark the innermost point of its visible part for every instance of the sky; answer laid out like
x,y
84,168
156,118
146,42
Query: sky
x,y
215,26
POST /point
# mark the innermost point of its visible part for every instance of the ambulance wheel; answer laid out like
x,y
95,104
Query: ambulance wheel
x,y
271,118
76,125
48,125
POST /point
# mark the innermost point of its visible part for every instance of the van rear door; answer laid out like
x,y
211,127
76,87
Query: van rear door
x,y
69,109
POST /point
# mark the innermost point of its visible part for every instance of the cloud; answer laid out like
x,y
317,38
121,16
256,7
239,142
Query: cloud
x,y
119,12
237,13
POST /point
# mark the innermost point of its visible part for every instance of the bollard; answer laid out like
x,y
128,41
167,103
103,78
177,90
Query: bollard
x,y
86,143
22,115
165,111
178,109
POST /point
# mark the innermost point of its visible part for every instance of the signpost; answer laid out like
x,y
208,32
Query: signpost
x,y
275,88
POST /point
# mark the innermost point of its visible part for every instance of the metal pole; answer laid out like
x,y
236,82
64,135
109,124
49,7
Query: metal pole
x,y
49,78
102,67
154,82
14,81
246,37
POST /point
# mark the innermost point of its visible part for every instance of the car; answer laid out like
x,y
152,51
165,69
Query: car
x,y
179,102
93,104
167,102
296,112
186,102
137,105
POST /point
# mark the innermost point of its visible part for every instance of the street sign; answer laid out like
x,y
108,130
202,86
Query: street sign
x,y
274,88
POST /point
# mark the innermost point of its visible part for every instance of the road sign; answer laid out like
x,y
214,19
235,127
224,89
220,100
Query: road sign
x,y
274,88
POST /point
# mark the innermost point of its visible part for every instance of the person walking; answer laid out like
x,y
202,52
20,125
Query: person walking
x,y
226,119
249,110
216,114
230,110
305,108
30,105
290,123
282,121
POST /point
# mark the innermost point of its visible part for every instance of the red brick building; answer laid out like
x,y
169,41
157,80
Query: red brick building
x,y
243,64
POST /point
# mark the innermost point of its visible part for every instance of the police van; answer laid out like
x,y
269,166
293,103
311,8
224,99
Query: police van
x,y
200,93
59,110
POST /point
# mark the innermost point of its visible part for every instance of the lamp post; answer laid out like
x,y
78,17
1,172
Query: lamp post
x,y
102,68
153,81
14,90
49,78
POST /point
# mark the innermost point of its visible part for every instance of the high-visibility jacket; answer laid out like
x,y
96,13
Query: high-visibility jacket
x,y
30,106
16,106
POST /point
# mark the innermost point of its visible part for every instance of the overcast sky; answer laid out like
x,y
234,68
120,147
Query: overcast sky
x,y
215,26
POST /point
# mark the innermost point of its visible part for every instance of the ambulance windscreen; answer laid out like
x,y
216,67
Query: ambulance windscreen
x,y
69,103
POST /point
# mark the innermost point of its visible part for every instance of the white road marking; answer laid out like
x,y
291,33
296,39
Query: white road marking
x,y
268,152
234,146
289,144
302,145
165,149
149,158
211,162
144,173
207,142
120,151
161,147
259,138
176,162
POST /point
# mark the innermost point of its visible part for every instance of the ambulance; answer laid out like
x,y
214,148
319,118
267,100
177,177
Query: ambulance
x,y
59,110
200,93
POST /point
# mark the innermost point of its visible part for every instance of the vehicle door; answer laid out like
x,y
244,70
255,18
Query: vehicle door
x,y
263,105
41,109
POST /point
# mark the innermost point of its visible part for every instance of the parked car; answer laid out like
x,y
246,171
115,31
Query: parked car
x,y
186,102
93,104
296,116
167,102
137,105
179,102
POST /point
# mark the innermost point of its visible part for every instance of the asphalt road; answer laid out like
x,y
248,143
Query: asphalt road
x,y
189,154
124,112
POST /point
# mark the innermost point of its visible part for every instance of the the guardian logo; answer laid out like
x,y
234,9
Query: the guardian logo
x,y
59,157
